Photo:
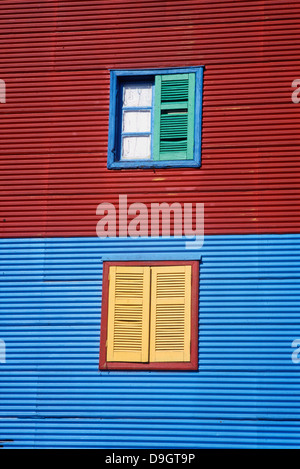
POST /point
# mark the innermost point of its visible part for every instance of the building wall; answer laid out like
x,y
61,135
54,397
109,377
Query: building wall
x,y
55,60
56,57
245,393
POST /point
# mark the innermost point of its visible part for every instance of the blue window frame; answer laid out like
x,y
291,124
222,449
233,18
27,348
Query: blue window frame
x,y
149,153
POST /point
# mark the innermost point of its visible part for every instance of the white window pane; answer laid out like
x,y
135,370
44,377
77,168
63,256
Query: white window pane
x,y
136,148
136,121
137,95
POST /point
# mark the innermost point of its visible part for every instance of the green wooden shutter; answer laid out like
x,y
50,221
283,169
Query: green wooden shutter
x,y
174,117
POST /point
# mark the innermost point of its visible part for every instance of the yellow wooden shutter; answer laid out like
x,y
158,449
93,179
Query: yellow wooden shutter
x,y
170,314
128,314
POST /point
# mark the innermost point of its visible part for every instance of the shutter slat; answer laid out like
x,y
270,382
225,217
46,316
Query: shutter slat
x,y
128,314
170,314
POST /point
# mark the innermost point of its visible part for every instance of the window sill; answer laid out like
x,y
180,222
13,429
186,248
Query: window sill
x,y
141,164
165,366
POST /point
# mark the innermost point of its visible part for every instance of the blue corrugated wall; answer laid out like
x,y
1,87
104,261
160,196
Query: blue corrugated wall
x,y
245,394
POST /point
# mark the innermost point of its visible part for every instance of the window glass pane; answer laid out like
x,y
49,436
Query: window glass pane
x,y
137,95
136,121
135,148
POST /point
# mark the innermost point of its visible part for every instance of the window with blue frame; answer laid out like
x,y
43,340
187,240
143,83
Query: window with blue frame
x,y
155,118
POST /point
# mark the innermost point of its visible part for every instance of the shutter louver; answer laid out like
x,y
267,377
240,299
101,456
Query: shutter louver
x,y
128,314
174,117
170,314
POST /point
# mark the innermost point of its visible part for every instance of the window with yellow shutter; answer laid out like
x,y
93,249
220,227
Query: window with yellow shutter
x,y
150,316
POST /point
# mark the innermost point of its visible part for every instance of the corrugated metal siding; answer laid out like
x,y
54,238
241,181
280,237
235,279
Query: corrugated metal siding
x,y
245,394
55,57
149,434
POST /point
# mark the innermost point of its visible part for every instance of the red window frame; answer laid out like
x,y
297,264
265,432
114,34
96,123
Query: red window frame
x,y
193,363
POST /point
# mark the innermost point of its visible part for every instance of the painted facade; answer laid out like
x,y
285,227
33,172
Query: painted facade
x,y
56,64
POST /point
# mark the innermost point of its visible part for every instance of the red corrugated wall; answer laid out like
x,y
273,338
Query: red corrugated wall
x,y
55,57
